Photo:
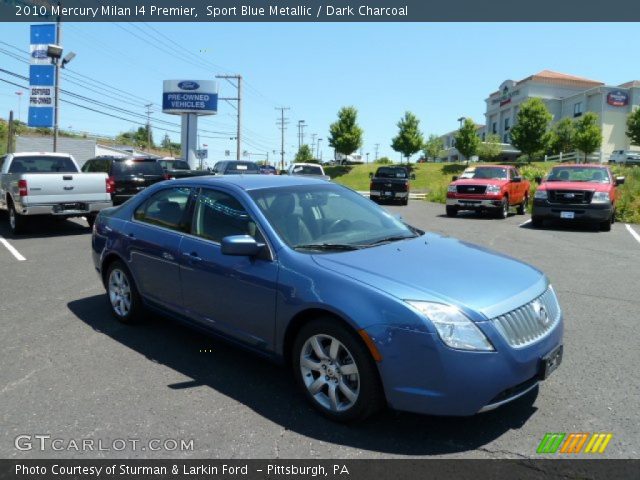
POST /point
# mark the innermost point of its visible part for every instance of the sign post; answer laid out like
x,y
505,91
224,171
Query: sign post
x,y
190,99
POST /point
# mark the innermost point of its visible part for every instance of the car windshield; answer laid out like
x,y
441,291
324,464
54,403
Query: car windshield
x,y
236,168
178,165
306,170
137,167
468,173
388,172
498,173
42,164
328,218
579,174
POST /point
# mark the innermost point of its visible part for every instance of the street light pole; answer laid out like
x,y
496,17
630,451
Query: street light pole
x,y
56,99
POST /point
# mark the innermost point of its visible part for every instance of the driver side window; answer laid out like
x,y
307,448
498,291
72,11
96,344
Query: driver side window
x,y
218,215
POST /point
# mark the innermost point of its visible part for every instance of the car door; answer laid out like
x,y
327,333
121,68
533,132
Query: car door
x,y
235,295
154,236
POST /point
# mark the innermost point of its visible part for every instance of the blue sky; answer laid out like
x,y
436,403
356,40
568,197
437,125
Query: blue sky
x,y
438,71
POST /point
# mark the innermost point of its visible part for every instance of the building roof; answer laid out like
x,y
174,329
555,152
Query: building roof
x,y
557,78
632,83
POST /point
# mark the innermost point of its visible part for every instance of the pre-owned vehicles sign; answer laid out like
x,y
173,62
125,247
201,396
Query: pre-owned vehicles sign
x,y
190,96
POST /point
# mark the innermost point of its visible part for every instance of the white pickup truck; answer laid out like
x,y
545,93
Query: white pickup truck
x,y
33,184
625,157
312,170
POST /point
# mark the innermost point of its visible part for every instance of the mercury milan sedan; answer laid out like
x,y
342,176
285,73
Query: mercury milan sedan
x,y
366,310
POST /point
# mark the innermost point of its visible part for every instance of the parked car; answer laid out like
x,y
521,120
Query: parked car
x,y
268,170
625,157
180,169
312,170
265,261
236,167
488,188
36,184
127,176
390,183
577,193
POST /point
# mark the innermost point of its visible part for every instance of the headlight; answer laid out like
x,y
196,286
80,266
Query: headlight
x,y
451,189
492,189
453,327
540,194
600,197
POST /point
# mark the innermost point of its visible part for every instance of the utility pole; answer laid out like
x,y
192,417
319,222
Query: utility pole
x,y
313,142
301,126
148,107
238,85
318,153
282,124
56,100
377,145
10,133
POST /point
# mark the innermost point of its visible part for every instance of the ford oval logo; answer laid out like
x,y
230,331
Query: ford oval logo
x,y
39,54
188,85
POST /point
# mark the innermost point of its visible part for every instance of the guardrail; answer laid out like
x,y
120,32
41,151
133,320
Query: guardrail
x,y
573,157
412,196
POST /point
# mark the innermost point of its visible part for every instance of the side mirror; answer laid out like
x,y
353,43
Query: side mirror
x,y
517,179
240,246
413,176
538,179
454,178
619,180
370,174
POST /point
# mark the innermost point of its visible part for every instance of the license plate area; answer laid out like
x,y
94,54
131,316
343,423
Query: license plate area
x,y
567,215
388,194
73,206
550,362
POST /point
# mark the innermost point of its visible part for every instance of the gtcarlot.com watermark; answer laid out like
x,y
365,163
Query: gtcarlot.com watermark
x,y
48,443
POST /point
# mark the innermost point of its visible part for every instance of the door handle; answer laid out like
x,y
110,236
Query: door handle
x,y
192,256
131,235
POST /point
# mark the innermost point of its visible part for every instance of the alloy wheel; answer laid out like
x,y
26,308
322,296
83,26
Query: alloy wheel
x,y
119,292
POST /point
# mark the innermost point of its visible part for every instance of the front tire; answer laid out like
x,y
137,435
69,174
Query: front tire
x,y
537,221
503,211
122,294
452,211
336,372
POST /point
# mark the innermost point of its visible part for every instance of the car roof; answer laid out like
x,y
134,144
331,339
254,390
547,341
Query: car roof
x,y
495,166
40,154
252,182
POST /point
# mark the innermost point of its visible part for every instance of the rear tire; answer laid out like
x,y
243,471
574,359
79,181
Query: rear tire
x,y
17,223
405,201
91,219
122,294
503,211
452,211
322,354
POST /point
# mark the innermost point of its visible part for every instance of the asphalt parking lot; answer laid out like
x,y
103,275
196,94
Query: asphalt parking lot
x,y
67,369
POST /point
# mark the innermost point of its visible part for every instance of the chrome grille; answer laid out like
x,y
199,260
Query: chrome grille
x,y
525,325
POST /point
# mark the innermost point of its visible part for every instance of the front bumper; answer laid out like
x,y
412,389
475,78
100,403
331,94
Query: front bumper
x,y
422,375
78,209
387,194
598,212
475,203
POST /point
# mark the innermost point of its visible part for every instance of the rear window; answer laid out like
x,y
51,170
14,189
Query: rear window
x,y
391,173
137,167
306,170
42,164
241,167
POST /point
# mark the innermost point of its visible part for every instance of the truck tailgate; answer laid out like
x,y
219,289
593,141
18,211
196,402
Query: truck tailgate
x,y
47,188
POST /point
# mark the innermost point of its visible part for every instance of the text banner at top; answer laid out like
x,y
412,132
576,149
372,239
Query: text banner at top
x,y
316,11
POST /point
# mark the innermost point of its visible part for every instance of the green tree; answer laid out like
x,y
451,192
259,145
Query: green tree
x,y
345,136
409,139
588,135
633,127
562,136
433,147
304,155
467,140
491,148
529,134
383,161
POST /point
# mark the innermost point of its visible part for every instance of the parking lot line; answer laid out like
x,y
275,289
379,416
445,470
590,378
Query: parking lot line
x,y
12,249
633,233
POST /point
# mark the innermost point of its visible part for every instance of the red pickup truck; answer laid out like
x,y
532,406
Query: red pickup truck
x,y
577,193
492,188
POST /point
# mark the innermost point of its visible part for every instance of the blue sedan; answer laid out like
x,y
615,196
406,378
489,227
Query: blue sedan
x,y
366,310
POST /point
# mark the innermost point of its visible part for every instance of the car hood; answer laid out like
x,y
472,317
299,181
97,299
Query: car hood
x,y
588,186
479,181
442,269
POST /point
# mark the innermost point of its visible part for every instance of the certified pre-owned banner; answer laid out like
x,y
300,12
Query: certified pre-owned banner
x,y
41,76
331,469
315,11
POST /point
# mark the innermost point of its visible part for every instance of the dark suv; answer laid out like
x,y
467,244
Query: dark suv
x,y
236,167
127,176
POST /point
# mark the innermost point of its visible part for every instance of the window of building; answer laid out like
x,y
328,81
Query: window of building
x,y
577,109
166,208
483,136
494,127
507,124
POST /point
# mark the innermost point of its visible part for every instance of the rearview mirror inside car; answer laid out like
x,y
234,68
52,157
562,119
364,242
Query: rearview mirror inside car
x,y
240,245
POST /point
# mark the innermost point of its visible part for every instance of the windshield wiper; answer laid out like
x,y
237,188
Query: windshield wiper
x,y
391,238
327,246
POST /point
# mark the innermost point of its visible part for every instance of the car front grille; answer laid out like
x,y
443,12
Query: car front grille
x,y
575,197
531,322
473,189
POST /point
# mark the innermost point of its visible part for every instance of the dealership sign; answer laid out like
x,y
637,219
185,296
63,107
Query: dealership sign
x,y
190,96
41,76
618,98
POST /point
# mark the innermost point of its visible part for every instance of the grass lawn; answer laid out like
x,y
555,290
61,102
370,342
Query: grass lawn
x,y
433,178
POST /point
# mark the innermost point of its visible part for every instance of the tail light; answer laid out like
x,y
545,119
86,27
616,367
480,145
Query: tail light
x,y
168,177
370,185
110,184
22,188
